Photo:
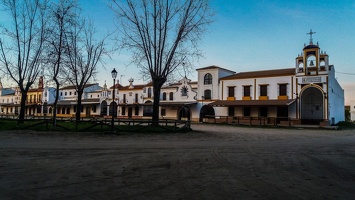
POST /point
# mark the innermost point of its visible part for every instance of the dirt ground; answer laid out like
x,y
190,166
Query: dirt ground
x,y
212,162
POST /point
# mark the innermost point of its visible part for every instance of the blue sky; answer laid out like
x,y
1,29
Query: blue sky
x,y
251,35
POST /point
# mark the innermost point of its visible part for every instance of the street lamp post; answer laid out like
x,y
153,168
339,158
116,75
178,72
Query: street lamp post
x,y
114,75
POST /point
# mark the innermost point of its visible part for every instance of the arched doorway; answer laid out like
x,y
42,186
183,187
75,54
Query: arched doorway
x,y
206,112
103,108
184,113
312,105
148,108
113,109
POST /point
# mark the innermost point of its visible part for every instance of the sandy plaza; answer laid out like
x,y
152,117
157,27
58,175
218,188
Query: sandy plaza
x,y
211,162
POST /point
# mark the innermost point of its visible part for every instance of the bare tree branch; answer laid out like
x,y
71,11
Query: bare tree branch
x,y
22,58
163,35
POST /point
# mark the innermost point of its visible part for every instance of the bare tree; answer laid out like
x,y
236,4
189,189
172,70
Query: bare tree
x,y
84,53
21,45
163,36
62,19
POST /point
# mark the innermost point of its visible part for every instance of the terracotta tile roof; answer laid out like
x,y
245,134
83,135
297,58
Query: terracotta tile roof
x,y
214,67
135,87
275,102
261,74
71,87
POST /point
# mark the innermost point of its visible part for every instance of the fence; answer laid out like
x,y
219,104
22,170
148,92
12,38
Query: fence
x,y
126,125
259,121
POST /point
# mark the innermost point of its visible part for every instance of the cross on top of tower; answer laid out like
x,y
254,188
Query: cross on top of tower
x,y
310,34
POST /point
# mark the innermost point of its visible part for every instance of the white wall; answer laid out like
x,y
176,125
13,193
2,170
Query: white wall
x,y
335,99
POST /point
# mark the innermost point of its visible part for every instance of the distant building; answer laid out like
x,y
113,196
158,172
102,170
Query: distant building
x,y
352,110
37,100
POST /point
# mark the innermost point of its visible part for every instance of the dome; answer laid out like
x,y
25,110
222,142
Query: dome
x,y
311,46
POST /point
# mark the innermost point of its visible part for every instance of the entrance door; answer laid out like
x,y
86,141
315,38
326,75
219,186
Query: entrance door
x,y
282,114
184,113
87,113
312,106
130,112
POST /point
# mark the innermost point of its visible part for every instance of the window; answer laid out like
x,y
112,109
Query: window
x,y
207,94
149,92
164,96
263,90
171,96
68,110
65,93
246,91
246,111
163,112
282,89
208,79
69,93
184,91
136,98
231,91
94,109
230,111
61,94
124,98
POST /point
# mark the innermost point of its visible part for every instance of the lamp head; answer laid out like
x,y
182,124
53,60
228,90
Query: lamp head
x,y
114,73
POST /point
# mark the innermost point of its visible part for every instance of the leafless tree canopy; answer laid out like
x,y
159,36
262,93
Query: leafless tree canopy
x,y
62,18
22,53
84,52
162,34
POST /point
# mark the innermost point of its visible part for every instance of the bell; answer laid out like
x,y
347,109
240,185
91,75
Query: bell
x,y
311,64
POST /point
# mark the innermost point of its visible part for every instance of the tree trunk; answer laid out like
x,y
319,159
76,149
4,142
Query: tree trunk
x,y
78,107
157,84
55,105
155,117
21,116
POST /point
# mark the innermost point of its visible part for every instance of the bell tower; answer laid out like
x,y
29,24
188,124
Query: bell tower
x,y
312,61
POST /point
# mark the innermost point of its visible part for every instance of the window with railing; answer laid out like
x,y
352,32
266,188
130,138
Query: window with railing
x,y
282,89
231,91
246,91
263,90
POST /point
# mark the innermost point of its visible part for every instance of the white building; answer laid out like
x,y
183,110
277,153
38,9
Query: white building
x,y
37,100
90,101
306,94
